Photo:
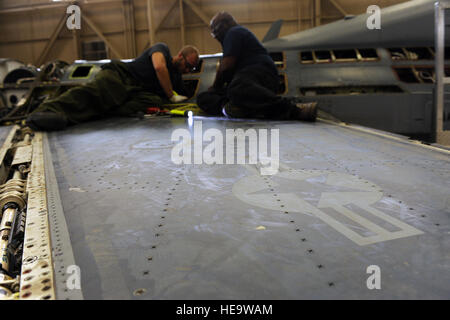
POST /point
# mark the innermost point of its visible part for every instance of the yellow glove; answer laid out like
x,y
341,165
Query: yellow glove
x,y
178,99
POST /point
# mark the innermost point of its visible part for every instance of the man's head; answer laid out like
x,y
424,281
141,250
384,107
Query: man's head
x,y
187,59
220,24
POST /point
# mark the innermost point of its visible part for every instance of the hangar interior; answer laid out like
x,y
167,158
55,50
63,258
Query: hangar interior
x,y
30,27
102,211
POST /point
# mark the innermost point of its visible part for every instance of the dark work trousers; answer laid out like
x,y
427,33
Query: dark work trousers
x,y
251,94
113,92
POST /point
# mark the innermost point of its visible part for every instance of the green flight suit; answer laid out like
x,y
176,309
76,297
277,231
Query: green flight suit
x,y
113,92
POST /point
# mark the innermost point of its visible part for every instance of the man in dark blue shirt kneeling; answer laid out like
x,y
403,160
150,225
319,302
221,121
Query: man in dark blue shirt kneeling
x,y
247,82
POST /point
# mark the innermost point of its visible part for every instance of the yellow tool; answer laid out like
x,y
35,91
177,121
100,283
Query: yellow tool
x,y
183,109
180,113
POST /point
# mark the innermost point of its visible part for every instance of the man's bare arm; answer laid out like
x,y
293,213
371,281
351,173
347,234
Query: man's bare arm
x,y
225,72
160,66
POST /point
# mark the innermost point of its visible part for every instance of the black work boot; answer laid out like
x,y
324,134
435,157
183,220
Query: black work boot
x,y
307,111
46,121
231,111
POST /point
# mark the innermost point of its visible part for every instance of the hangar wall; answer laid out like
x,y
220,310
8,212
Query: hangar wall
x,y
29,28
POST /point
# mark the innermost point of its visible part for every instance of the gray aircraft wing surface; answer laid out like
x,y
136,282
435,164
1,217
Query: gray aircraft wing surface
x,y
345,199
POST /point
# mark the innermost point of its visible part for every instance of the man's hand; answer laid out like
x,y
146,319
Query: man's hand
x,y
177,98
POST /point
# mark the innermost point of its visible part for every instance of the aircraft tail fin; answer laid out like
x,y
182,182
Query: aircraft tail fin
x,y
274,31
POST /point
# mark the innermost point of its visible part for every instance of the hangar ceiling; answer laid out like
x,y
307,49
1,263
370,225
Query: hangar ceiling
x,y
35,31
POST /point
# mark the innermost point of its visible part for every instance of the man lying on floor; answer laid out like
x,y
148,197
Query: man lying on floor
x,y
247,81
120,89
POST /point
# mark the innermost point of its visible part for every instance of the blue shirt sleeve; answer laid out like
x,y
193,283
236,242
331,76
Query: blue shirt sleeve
x,y
233,43
159,47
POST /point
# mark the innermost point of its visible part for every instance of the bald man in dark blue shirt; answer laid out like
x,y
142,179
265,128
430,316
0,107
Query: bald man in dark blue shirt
x,y
247,82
